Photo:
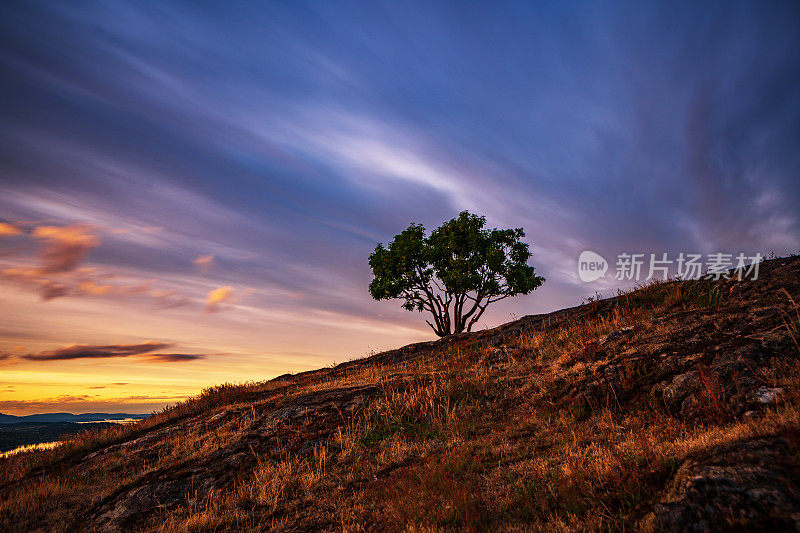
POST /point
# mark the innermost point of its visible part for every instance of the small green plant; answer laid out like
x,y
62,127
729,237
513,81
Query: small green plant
x,y
419,431
701,293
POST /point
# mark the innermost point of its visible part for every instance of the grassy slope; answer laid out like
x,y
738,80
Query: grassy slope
x,y
542,423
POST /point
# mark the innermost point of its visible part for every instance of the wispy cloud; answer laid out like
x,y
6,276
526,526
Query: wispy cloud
x,y
146,351
174,357
86,351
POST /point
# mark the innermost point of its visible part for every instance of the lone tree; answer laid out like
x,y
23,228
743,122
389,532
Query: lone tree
x,y
455,273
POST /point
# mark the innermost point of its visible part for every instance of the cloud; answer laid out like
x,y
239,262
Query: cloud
x,y
94,288
166,299
8,229
74,398
91,282
174,357
65,246
50,290
204,260
47,287
86,351
215,297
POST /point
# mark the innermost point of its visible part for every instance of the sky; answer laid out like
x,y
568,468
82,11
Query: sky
x,y
189,191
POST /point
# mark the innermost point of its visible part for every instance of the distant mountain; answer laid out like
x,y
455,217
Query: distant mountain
x,y
66,417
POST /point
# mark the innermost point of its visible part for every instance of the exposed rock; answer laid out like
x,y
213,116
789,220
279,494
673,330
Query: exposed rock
x,y
679,391
218,416
614,335
291,412
142,500
744,486
766,395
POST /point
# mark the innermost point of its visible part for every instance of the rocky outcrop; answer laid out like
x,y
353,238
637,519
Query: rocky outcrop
x,y
749,485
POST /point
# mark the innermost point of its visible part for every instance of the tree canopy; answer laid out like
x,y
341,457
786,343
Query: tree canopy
x,y
455,272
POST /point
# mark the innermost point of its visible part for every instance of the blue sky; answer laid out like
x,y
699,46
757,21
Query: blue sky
x,y
281,141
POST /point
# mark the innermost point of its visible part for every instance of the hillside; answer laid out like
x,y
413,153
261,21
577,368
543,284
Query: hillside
x,y
672,407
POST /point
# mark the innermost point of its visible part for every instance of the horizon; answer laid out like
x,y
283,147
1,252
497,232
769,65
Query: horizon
x,y
78,414
190,194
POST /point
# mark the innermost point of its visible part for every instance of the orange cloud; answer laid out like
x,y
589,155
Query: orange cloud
x,y
8,229
94,288
215,297
65,246
22,274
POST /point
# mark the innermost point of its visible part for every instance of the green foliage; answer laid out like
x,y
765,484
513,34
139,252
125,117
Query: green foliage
x,y
702,293
454,273
378,434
